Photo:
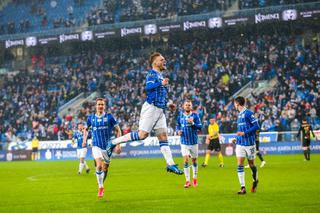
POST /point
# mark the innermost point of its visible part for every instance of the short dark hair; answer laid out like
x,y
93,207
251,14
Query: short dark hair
x,y
153,57
240,100
100,99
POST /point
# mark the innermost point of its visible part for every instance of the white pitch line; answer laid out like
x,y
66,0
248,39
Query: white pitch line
x,y
36,177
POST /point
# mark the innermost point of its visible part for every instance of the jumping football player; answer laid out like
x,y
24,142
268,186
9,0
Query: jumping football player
x,y
152,116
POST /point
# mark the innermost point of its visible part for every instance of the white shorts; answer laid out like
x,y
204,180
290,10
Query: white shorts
x,y
189,150
246,151
97,152
152,117
81,153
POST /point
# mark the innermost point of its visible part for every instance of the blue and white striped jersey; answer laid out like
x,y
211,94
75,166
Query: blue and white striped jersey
x,y
101,127
189,131
248,124
78,137
156,92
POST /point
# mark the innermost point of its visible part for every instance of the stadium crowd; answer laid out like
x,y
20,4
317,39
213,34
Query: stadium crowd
x,y
246,4
206,71
128,10
37,15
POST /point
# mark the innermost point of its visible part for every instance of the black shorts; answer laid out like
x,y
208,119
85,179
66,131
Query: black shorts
x,y
257,145
214,145
306,142
34,149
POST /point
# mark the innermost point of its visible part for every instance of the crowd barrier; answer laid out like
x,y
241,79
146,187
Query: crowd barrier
x,y
270,143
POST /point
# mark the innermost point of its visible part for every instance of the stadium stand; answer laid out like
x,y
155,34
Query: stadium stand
x,y
20,16
245,4
36,15
207,69
30,99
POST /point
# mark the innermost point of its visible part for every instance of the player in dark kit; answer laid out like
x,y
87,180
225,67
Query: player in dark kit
x,y
306,129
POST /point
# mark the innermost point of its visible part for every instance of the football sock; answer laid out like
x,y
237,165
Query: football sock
x,y
260,156
220,157
100,176
254,173
166,152
195,170
132,136
241,176
308,153
186,171
206,160
305,154
81,165
86,165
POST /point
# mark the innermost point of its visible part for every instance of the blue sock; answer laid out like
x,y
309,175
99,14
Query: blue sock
x,y
99,172
240,168
134,136
186,165
163,143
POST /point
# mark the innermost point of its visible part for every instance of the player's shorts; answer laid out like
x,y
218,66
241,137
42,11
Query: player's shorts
x,y
81,153
97,152
34,149
189,150
306,142
246,151
214,145
152,117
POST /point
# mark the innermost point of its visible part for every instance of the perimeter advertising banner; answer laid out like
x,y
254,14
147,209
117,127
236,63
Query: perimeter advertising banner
x,y
64,150
148,142
152,28
141,151
287,148
19,155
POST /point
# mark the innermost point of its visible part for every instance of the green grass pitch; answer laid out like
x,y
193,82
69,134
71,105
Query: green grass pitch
x,y
287,184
